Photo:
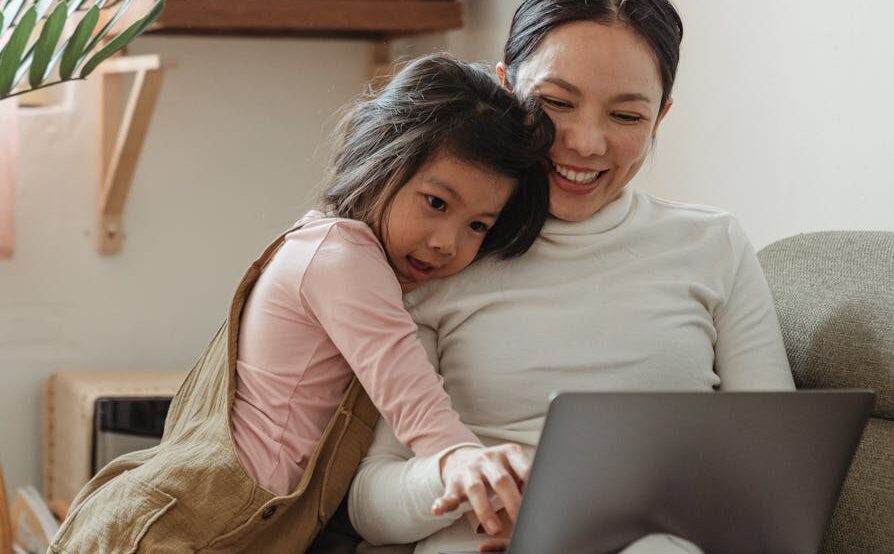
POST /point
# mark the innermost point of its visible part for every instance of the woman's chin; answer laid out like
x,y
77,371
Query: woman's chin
x,y
570,216
576,203
573,208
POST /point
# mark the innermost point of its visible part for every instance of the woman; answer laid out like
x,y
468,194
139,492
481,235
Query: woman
x,y
622,291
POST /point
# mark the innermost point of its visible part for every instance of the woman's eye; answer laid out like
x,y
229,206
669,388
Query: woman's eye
x,y
479,227
436,202
627,117
555,103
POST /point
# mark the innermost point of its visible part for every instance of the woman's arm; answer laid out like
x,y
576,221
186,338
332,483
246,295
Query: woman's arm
x,y
392,497
749,352
392,494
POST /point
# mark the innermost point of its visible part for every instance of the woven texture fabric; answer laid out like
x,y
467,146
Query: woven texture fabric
x,y
863,522
834,294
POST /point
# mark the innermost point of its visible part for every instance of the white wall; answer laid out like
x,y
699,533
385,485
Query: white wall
x,y
783,115
236,145
782,110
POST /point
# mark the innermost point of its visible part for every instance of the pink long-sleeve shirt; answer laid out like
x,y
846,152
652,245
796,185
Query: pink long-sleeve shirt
x,y
329,305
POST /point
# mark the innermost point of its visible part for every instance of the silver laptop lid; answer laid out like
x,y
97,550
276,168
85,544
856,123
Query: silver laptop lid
x,y
732,472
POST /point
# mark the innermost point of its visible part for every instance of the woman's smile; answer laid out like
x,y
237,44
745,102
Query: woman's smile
x,y
604,127
576,180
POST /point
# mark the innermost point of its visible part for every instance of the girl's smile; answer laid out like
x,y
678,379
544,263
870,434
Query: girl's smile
x,y
439,218
419,270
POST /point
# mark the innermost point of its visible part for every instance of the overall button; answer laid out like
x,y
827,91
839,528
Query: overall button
x,y
268,513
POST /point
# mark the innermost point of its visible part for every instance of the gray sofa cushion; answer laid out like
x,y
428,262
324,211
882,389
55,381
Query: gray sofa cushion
x,y
863,521
834,294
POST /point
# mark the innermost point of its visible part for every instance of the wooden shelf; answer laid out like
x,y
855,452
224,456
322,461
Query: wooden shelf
x,y
125,123
361,18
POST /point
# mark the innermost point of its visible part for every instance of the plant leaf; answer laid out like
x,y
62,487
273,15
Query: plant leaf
x,y
27,60
107,27
74,6
121,40
42,7
12,52
10,13
76,43
43,48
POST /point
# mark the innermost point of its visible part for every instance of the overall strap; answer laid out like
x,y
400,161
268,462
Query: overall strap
x,y
241,295
207,393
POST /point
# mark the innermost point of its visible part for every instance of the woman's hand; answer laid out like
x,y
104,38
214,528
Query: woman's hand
x,y
472,473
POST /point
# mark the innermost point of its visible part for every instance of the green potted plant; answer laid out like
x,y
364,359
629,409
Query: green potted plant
x,y
32,45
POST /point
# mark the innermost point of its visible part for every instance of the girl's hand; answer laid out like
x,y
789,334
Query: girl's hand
x,y
471,473
501,542
494,545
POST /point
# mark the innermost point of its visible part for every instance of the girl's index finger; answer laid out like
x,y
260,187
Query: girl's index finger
x,y
519,463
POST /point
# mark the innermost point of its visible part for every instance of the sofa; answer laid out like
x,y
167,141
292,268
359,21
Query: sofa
x,y
834,294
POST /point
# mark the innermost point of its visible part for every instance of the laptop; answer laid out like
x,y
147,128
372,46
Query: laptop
x,y
732,472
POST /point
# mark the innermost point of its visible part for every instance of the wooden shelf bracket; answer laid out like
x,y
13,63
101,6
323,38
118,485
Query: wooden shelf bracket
x,y
123,127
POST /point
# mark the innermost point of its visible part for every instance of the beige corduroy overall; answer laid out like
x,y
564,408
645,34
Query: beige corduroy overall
x,y
191,493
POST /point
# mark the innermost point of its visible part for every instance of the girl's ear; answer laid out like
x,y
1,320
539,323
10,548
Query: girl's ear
x,y
501,75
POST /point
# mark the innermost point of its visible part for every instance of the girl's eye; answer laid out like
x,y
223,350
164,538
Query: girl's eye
x,y
555,103
627,117
479,227
436,202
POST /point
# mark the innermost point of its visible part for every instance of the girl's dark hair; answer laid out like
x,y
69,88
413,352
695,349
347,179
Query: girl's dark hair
x,y
438,104
657,21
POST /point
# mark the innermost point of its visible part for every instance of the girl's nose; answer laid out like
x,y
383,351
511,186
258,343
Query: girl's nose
x,y
443,241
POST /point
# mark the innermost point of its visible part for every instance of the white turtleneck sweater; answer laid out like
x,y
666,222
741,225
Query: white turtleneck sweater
x,y
645,295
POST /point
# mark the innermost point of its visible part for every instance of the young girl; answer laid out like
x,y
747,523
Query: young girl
x,y
427,176
441,167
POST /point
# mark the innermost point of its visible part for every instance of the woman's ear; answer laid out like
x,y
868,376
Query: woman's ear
x,y
664,110
501,75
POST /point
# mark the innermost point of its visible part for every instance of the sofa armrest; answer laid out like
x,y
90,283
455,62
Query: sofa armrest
x,y
834,294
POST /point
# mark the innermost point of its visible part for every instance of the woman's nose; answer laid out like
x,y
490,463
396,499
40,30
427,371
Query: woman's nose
x,y
586,138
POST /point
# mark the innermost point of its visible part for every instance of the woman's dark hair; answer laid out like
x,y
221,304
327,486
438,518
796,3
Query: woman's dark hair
x,y
656,21
437,104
